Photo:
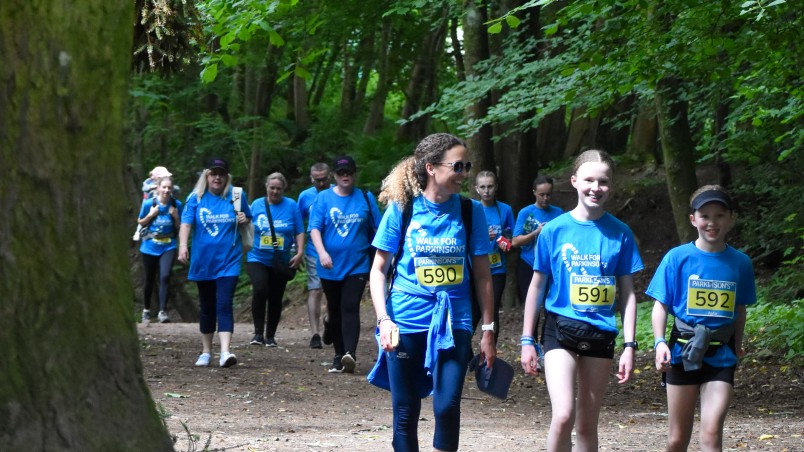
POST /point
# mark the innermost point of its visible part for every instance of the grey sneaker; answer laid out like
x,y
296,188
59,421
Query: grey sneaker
x,y
348,362
146,316
257,340
163,317
270,342
315,341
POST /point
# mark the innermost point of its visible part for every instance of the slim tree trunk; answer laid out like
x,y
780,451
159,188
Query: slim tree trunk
x,y
679,153
377,110
476,46
643,146
321,81
71,372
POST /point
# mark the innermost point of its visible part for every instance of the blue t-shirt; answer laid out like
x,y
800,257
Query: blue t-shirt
x,y
162,232
527,221
306,200
704,288
287,224
434,257
343,222
500,218
216,247
582,260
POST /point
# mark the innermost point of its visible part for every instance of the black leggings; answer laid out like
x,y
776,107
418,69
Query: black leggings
x,y
343,307
150,264
524,275
267,289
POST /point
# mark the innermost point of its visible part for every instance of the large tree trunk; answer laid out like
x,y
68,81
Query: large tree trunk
x,y
71,372
679,153
476,47
643,146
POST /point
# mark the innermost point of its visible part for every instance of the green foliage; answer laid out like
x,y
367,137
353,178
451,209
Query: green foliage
x,y
776,328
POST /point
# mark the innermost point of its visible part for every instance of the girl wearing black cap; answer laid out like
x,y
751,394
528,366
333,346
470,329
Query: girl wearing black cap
x,y
706,286
217,249
342,222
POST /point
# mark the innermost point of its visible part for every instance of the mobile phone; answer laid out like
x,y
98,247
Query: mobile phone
x,y
394,337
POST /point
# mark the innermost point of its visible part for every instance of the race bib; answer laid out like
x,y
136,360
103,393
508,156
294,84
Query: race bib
x,y
266,242
708,298
439,271
162,241
495,260
592,293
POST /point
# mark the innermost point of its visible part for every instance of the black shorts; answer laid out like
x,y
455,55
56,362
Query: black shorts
x,y
550,342
679,377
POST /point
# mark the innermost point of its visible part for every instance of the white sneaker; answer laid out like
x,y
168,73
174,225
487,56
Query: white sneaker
x,y
146,316
348,362
163,317
228,359
203,360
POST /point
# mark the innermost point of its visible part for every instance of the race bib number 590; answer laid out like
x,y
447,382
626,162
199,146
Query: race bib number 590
x,y
439,271
592,293
710,298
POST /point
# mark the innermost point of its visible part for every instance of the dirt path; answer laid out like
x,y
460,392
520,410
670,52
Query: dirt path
x,y
283,399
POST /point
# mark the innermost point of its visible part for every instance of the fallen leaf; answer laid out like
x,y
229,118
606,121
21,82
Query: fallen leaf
x,y
766,437
176,395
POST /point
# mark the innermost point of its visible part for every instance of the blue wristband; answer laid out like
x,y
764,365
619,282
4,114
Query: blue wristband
x,y
658,341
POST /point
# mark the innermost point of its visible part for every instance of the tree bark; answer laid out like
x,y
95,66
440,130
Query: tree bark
x,y
476,48
71,372
679,153
643,146
376,114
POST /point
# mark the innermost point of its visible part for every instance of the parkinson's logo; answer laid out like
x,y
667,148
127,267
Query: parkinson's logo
x,y
335,215
211,227
564,257
263,224
413,226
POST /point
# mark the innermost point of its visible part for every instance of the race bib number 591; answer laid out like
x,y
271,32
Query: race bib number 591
x,y
439,271
592,293
710,298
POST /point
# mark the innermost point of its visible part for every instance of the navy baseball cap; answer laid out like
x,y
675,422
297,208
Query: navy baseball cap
x,y
495,381
712,196
344,162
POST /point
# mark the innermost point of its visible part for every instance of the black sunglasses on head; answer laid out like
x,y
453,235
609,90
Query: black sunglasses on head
x,y
458,167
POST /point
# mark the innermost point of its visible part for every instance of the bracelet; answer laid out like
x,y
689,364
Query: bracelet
x,y
383,318
527,340
658,341
182,245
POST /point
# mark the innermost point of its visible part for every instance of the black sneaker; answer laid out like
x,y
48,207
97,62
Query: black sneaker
x,y
257,340
327,332
315,341
270,342
348,362
337,367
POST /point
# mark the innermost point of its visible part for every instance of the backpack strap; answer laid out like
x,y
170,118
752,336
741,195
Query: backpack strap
x,y
370,217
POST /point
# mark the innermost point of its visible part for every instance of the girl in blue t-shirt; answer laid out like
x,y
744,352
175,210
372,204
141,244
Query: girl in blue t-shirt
x,y
581,259
500,219
268,288
215,265
160,217
706,286
425,325
342,223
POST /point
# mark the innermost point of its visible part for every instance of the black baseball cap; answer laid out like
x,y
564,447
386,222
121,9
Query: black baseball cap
x,y
495,381
344,162
217,162
712,196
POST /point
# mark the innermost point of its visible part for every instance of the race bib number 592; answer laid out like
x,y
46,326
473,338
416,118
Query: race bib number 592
x,y
439,271
592,293
710,298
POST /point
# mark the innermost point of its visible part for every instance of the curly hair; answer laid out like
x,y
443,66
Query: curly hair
x,y
408,178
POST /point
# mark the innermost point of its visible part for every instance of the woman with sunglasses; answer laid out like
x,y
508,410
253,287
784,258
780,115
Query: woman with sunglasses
x,y
425,323
500,218
342,223
217,250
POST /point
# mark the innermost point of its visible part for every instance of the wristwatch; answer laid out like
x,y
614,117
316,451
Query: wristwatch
x,y
487,327
634,344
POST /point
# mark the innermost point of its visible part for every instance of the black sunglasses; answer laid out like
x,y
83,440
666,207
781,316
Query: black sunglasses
x,y
344,172
457,166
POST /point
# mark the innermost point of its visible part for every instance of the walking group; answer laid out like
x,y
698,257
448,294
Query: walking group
x,y
435,263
